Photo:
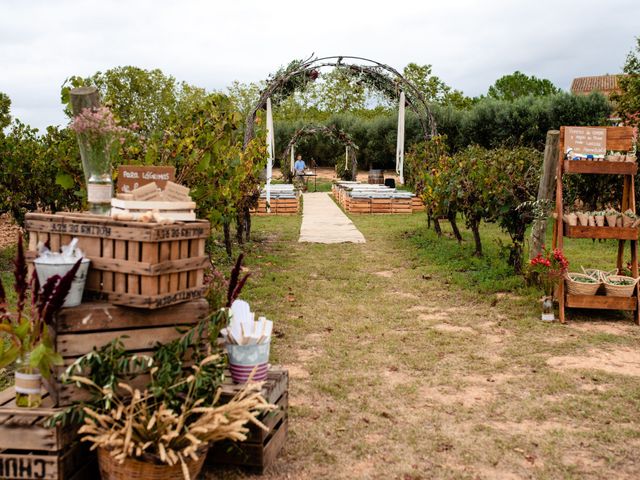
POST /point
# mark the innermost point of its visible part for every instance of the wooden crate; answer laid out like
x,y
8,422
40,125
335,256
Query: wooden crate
x,y
358,205
279,206
381,205
135,264
417,204
78,329
31,450
401,205
261,448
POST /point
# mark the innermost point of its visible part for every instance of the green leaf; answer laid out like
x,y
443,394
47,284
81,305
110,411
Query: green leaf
x,y
65,181
22,330
7,357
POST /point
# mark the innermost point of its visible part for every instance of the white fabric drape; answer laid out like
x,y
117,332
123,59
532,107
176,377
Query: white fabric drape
x,y
270,151
400,141
293,157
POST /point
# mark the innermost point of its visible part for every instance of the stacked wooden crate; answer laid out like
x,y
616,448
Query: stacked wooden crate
x,y
365,198
279,206
135,264
417,204
30,449
261,448
94,324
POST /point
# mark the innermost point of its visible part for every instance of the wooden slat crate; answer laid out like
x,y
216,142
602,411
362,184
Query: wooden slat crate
x,y
135,264
401,205
279,206
261,448
381,205
31,450
78,329
358,205
417,204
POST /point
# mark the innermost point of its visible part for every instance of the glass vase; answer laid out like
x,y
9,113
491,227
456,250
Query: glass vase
x,y
547,309
95,152
28,384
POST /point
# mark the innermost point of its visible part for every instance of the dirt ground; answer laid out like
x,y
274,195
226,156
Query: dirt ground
x,y
398,375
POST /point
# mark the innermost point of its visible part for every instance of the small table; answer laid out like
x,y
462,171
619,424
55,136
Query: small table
x,y
315,179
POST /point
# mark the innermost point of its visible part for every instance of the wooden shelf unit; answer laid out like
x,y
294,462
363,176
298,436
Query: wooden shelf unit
x,y
618,139
601,167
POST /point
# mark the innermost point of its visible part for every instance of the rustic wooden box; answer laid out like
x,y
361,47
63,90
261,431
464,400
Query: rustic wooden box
x,y
30,450
261,448
136,264
401,205
358,205
381,205
78,329
417,204
279,206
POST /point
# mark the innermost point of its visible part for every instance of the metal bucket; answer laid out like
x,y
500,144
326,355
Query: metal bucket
x,y
245,359
47,270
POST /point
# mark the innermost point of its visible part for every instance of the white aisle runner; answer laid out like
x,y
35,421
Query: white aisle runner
x,y
324,222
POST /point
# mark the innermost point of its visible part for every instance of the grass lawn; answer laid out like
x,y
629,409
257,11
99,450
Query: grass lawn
x,y
411,359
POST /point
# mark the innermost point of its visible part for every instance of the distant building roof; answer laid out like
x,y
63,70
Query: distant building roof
x,y
607,84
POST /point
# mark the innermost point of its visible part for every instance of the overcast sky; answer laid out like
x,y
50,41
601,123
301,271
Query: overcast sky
x,y
211,43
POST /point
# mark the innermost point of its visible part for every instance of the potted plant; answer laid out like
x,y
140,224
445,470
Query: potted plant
x,y
628,218
599,217
612,217
548,268
571,218
591,219
583,218
28,343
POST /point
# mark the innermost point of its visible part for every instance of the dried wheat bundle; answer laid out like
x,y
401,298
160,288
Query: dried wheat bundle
x,y
140,427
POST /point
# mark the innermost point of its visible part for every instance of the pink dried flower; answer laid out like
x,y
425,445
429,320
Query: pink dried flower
x,y
96,122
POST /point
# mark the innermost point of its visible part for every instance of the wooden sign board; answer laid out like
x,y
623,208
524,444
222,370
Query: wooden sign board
x,y
131,177
585,141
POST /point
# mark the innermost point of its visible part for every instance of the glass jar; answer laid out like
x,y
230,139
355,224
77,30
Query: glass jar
x,y
95,152
28,384
547,309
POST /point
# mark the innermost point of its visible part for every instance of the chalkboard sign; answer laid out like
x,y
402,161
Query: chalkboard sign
x,y
585,141
131,177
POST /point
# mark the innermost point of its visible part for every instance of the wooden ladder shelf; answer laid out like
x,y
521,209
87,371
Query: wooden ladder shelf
x,y
618,139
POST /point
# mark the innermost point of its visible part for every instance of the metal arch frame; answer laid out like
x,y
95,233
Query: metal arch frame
x,y
414,98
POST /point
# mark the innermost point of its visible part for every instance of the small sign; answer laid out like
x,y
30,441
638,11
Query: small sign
x,y
585,141
131,177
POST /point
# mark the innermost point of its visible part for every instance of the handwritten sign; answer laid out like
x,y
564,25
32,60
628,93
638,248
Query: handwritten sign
x,y
586,141
131,177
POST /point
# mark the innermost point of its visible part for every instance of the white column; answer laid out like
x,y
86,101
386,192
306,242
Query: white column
x,y
270,151
400,140
293,157
346,157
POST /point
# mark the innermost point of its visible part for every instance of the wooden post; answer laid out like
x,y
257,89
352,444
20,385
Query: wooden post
x,y
545,190
84,97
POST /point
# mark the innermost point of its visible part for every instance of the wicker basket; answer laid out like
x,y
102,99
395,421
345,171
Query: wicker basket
x,y
579,288
619,290
132,469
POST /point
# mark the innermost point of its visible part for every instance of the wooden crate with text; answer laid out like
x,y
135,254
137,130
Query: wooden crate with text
x,y
260,449
78,329
144,265
30,449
